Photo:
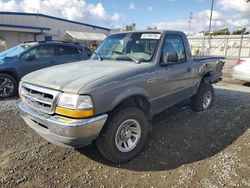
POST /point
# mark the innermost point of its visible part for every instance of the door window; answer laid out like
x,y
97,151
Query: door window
x,y
174,44
29,54
87,51
66,50
44,51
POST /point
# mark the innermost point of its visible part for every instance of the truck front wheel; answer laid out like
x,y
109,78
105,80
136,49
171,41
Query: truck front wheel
x,y
203,99
124,135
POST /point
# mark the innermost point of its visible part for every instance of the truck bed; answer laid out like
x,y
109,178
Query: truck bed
x,y
201,58
210,67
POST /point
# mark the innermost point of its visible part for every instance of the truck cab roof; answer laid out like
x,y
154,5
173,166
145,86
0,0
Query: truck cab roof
x,y
153,31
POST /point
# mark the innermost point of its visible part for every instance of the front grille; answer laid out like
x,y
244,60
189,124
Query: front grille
x,y
39,98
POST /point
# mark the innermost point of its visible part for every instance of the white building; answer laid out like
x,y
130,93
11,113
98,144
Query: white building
x,y
16,27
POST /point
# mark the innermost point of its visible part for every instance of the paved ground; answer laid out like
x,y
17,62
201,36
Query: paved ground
x,y
186,149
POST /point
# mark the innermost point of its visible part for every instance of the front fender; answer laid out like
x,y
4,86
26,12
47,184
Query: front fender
x,y
130,92
12,72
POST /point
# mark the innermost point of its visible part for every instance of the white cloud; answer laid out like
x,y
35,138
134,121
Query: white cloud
x,y
240,11
150,8
8,5
116,17
239,22
199,23
97,11
77,10
131,6
241,6
176,25
229,14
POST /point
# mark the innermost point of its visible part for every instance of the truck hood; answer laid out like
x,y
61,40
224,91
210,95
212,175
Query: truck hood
x,y
73,77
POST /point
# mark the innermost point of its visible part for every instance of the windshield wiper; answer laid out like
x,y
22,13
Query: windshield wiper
x,y
129,56
98,56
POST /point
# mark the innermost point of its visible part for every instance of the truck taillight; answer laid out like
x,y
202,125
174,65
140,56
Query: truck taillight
x,y
240,61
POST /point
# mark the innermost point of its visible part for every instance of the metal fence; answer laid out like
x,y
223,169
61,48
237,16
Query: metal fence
x,y
229,46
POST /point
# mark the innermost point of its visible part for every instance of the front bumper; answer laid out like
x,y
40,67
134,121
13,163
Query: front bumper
x,y
62,131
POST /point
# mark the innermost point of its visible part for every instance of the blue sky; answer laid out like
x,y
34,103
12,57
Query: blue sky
x,y
166,10
164,14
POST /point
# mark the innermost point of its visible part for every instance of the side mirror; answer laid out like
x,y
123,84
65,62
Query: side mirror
x,y
169,58
31,57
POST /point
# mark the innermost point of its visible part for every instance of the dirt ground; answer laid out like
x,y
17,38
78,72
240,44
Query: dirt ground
x,y
186,149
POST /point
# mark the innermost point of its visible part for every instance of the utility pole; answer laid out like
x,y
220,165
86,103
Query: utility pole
x,y
211,17
210,25
189,22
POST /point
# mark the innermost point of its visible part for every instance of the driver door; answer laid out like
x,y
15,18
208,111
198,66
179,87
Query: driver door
x,y
175,78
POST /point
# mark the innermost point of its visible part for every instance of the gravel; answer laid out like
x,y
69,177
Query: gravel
x,y
186,149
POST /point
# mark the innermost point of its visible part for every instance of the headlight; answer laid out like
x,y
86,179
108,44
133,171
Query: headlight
x,y
74,101
20,90
74,105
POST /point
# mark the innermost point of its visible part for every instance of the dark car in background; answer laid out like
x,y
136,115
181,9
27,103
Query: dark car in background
x,y
31,56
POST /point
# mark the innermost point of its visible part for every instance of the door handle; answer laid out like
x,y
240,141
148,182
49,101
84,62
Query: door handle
x,y
189,69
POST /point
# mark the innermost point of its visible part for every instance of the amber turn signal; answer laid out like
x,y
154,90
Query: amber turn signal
x,y
74,113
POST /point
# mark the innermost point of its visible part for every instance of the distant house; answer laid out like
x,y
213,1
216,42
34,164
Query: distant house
x,y
200,34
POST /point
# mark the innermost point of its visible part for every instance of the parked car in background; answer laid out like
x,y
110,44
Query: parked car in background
x,y
31,56
242,70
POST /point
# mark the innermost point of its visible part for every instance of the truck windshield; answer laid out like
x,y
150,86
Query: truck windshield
x,y
128,47
16,50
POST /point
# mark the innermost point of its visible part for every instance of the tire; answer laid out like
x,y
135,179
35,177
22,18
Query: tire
x,y
8,86
203,99
110,141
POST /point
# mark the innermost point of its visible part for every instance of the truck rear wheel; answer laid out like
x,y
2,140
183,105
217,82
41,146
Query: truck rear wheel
x,y
203,99
124,135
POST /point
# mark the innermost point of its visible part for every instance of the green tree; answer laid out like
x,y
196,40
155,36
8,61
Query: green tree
x,y
219,32
242,31
130,27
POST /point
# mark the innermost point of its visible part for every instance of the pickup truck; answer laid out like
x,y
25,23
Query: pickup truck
x,y
111,99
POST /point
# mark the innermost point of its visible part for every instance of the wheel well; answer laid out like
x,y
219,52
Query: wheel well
x,y
206,78
136,101
11,74
212,77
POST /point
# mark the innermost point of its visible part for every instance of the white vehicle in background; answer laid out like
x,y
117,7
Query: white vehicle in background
x,y
242,70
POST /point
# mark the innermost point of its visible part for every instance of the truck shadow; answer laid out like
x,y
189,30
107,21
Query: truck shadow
x,y
181,136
